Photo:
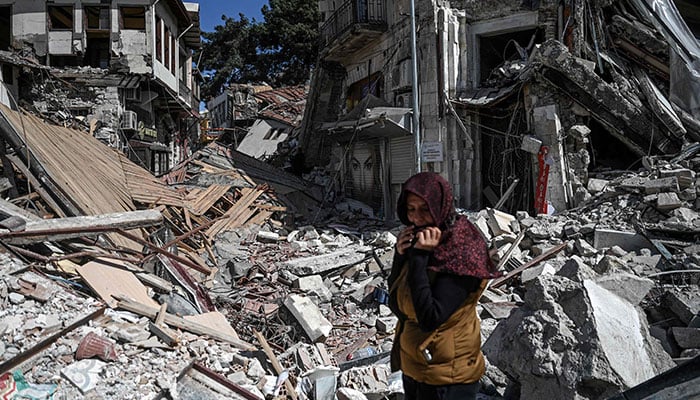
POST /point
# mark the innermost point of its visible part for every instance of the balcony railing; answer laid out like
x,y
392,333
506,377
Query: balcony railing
x,y
370,14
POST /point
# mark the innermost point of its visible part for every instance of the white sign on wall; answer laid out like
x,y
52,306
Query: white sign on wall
x,y
431,152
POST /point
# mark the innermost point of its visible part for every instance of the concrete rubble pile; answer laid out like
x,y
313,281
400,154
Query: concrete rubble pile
x,y
593,301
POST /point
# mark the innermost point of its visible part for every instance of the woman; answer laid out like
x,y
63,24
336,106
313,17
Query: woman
x,y
441,266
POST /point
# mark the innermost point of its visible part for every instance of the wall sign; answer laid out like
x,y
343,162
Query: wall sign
x,y
431,152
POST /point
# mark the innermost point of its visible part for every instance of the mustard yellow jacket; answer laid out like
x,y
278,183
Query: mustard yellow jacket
x,y
454,347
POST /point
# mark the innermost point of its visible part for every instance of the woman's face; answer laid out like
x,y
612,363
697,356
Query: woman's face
x,y
417,211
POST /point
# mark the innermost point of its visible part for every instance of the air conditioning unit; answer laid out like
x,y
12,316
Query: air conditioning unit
x,y
403,100
129,121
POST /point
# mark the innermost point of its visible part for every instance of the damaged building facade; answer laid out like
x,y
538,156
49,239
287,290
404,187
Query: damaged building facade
x,y
121,69
518,100
257,120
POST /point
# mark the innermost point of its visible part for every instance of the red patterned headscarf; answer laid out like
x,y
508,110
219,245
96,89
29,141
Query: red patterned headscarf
x,y
462,249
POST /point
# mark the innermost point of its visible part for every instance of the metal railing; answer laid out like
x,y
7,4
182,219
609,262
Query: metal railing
x,y
353,12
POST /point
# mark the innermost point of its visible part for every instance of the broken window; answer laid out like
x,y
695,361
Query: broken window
x,y
159,39
133,18
7,75
498,54
60,18
360,89
97,18
64,61
98,51
5,31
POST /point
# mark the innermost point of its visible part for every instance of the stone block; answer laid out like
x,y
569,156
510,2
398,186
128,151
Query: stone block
x,y
668,201
267,237
687,338
313,284
499,222
597,185
314,324
482,224
499,310
686,177
629,241
386,324
584,248
661,185
630,287
685,305
540,269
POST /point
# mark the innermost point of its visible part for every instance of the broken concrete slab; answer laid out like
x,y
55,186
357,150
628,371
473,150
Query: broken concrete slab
x,y
571,339
325,262
630,287
687,338
629,241
315,325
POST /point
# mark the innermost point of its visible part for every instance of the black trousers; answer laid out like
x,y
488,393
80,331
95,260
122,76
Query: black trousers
x,y
414,390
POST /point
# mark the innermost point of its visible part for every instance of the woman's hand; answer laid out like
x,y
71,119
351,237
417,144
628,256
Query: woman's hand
x,y
428,238
403,242
425,239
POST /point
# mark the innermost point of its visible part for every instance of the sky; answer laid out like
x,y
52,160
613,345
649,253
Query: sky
x,y
210,11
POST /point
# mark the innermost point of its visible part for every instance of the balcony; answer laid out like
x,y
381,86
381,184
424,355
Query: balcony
x,y
185,92
351,27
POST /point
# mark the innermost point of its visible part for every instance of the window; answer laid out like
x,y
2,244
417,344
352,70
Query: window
x,y
133,18
159,40
173,54
60,18
97,18
166,52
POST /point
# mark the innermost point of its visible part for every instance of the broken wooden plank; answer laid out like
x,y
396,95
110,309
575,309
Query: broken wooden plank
x,y
502,280
56,229
157,328
208,198
108,280
179,322
236,212
214,320
165,253
38,186
7,208
288,384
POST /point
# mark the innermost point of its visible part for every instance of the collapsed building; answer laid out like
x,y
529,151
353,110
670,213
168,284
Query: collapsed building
x,y
121,70
528,94
227,279
259,121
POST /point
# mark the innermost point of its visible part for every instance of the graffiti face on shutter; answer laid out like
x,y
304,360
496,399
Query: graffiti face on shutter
x,y
364,173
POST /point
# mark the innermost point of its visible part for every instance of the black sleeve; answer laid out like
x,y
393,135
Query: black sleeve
x,y
435,303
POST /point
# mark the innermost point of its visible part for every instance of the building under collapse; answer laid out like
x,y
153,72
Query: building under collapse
x,y
518,100
121,69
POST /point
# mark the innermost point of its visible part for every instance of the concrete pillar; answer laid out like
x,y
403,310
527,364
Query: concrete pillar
x,y
547,127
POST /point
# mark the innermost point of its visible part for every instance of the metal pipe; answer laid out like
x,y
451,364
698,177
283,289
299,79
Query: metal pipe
x,y
416,111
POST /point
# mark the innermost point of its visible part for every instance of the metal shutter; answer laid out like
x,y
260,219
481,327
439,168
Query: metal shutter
x,y
403,159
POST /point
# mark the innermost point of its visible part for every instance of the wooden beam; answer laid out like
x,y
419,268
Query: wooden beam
x,y
288,384
502,280
73,227
179,322
37,185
